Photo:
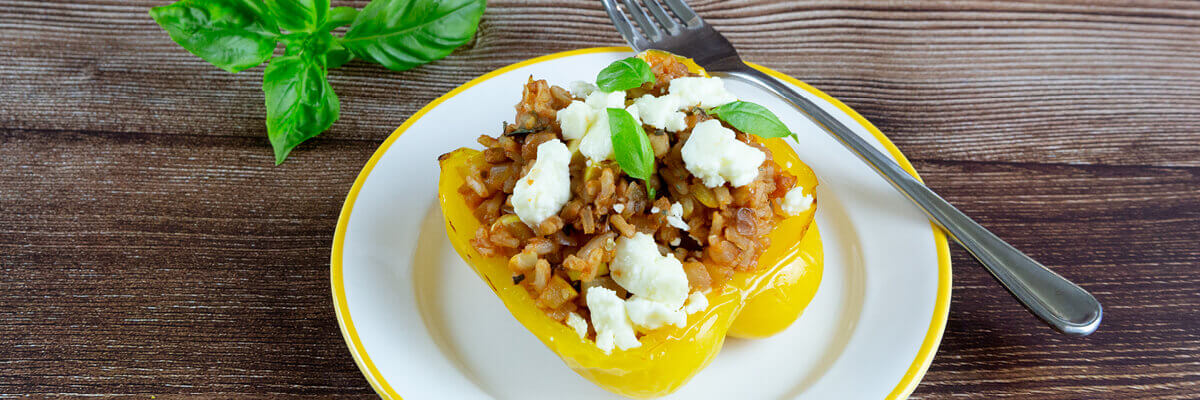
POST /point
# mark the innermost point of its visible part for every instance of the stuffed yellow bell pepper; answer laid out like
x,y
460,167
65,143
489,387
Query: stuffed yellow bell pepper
x,y
749,304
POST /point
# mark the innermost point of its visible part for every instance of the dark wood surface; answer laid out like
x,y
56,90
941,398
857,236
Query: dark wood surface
x,y
150,247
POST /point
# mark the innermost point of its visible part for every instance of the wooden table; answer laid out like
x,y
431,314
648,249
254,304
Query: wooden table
x,y
150,246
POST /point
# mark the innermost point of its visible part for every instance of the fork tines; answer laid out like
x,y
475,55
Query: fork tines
x,y
653,23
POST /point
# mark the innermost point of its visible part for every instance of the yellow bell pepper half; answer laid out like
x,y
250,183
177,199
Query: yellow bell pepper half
x,y
749,305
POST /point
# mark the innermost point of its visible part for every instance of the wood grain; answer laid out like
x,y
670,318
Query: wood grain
x,y
148,245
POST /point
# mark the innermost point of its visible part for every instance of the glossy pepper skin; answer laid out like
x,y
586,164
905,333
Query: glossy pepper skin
x,y
772,297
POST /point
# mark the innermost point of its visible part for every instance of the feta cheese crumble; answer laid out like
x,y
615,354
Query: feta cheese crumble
x,y
582,88
675,217
713,154
649,315
796,202
661,112
639,268
619,208
610,320
699,91
657,282
596,145
696,302
601,100
578,324
575,119
543,191
659,291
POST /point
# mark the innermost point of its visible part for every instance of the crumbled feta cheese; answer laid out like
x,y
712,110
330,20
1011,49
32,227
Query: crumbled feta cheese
x,y
650,315
796,202
698,91
696,302
661,112
543,191
658,283
639,268
590,125
576,119
578,324
676,241
601,100
654,210
713,154
596,145
582,89
675,217
619,208
610,320
635,113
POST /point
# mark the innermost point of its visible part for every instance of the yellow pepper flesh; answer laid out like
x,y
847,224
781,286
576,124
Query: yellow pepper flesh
x,y
793,284
769,299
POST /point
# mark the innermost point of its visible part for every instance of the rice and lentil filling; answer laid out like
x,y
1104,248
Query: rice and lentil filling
x,y
588,241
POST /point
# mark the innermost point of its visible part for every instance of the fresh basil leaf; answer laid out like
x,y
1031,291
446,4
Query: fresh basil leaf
x,y
631,147
300,101
337,56
261,11
299,15
624,75
753,119
339,16
401,34
230,34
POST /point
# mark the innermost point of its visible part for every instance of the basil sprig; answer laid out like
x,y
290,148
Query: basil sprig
x,y
631,147
236,35
753,119
624,75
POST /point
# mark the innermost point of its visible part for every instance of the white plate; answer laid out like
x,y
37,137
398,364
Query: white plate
x,y
420,324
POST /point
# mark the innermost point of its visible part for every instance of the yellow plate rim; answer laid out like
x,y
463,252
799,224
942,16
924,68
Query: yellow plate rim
x,y
907,383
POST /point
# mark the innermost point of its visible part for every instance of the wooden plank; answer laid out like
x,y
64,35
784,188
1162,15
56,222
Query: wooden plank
x,y
1065,82
1129,235
169,264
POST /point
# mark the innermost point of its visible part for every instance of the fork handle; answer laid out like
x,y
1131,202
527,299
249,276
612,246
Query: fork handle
x,y
1063,305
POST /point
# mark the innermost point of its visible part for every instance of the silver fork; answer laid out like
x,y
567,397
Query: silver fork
x,y
1060,303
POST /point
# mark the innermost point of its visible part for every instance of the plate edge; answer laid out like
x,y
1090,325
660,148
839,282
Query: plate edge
x,y
908,382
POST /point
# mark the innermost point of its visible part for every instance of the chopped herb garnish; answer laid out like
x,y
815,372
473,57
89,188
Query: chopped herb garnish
x,y
523,131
